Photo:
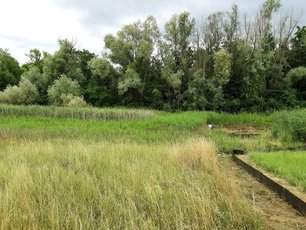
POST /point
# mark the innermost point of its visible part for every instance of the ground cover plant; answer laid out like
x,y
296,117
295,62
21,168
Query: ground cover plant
x,y
285,164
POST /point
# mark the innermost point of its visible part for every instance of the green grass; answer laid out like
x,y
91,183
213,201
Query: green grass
x,y
161,128
170,127
288,165
242,119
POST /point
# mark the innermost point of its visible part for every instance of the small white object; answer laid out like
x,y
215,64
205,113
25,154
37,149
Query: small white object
x,y
210,126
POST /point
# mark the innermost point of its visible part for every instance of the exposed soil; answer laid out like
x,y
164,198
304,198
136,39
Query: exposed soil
x,y
276,213
242,131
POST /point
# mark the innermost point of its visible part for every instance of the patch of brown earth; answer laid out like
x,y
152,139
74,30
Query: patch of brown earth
x,y
242,131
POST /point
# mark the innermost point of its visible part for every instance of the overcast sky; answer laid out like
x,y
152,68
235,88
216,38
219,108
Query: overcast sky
x,y
29,24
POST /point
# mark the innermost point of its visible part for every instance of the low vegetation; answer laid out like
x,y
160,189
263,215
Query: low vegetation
x,y
285,164
59,184
242,119
107,168
75,113
290,125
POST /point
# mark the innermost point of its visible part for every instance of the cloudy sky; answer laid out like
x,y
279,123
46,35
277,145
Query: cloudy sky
x,y
30,24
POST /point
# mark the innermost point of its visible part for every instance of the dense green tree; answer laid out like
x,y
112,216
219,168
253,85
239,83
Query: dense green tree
x,y
221,76
10,70
297,56
132,49
297,79
64,61
36,58
177,56
102,87
37,78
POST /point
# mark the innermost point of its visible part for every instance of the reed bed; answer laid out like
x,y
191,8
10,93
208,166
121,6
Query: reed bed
x,y
76,113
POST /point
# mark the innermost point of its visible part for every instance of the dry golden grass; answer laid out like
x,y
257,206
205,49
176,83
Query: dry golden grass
x,y
90,185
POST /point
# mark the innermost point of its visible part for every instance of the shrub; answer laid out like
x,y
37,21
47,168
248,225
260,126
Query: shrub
x,y
24,94
60,87
72,101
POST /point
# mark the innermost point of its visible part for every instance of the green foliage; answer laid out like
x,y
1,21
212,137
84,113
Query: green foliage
x,y
297,54
132,49
64,61
10,70
99,67
63,86
130,81
24,94
36,59
72,101
222,68
177,57
297,79
101,89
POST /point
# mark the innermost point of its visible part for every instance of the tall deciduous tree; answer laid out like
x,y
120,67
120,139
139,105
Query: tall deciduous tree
x,y
64,61
102,87
133,50
177,56
221,76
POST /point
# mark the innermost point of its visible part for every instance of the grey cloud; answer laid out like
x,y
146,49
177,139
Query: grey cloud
x,y
23,42
113,13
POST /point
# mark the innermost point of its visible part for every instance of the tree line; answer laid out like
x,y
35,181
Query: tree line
x,y
227,62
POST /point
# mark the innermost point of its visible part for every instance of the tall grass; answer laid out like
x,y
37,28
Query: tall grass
x,y
290,125
76,113
226,119
161,128
91,185
288,165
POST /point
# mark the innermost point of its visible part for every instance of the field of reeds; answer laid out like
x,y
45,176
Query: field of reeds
x,y
75,113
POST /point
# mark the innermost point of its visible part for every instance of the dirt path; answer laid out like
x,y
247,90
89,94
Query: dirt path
x,y
276,213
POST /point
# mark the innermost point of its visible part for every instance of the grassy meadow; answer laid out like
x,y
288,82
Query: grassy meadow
x,y
289,165
148,170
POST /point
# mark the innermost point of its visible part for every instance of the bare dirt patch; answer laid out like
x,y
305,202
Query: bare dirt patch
x,y
242,131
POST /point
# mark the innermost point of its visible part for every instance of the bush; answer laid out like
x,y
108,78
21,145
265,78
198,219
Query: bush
x,y
63,86
72,101
24,94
